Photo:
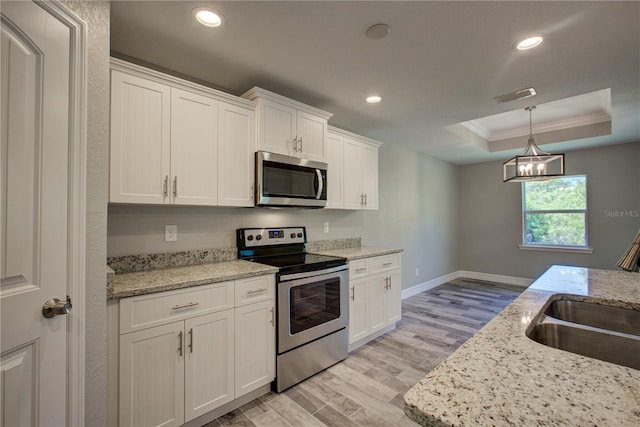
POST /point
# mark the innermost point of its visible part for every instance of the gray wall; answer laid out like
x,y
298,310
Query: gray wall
x,y
490,221
96,15
417,213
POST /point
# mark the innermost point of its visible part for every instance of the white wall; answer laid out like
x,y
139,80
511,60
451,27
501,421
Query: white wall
x,y
96,15
490,222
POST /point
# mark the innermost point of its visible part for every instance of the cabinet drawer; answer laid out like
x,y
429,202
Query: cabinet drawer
x,y
145,311
384,263
255,289
358,268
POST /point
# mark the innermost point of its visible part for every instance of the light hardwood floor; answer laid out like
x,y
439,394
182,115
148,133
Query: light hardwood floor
x,y
367,388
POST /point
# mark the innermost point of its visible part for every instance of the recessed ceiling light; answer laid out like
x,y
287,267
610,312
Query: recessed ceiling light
x,y
374,99
378,31
208,17
529,43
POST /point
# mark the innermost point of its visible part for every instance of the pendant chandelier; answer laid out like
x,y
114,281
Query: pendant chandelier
x,y
533,164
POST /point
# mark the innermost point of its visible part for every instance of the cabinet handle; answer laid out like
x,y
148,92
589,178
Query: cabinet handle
x,y
353,293
273,319
387,264
165,186
187,305
365,199
295,144
361,269
191,340
256,291
180,343
300,141
175,186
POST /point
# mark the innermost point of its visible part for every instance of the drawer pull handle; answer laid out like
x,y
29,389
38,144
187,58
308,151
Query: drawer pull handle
x,y
180,343
353,295
273,317
187,305
361,269
191,340
387,264
256,291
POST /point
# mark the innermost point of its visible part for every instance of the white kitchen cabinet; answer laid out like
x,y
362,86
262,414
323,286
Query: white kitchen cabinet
x,y
176,142
288,127
152,377
194,149
140,139
374,297
187,352
359,173
255,346
335,194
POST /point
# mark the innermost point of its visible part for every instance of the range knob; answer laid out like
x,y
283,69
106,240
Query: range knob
x,y
259,237
293,235
250,237
300,235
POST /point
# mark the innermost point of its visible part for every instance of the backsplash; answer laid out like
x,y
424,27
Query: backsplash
x,y
146,262
133,263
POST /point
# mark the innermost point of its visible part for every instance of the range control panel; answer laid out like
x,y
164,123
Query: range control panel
x,y
252,237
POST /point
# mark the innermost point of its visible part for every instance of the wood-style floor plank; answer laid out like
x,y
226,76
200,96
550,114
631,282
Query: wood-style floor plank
x,y
367,388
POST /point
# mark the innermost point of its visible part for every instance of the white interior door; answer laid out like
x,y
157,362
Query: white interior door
x,y
35,61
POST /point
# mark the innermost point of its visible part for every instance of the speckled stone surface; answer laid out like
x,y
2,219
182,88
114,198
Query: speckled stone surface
x,y
500,377
146,282
147,262
360,252
323,245
110,276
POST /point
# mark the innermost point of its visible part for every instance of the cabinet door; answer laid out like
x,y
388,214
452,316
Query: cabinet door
x,y
236,139
194,148
394,298
377,302
312,136
369,155
352,178
140,138
277,127
152,377
335,198
358,310
209,363
255,346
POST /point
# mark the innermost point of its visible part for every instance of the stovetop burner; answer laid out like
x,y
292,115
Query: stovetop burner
x,y
283,248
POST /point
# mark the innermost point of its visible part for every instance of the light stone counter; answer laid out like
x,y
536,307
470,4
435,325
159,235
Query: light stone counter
x,y
358,252
500,377
146,282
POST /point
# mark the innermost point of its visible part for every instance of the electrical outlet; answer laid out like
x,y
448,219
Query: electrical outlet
x,y
170,233
326,227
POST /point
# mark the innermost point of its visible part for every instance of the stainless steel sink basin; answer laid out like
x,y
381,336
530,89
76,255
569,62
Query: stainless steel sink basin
x,y
603,332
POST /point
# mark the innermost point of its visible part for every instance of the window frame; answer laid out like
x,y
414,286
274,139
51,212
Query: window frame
x,y
552,247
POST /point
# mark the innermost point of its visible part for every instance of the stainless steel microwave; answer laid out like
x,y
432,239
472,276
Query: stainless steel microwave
x,y
288,181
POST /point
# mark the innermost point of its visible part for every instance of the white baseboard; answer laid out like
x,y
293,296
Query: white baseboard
x,y
434,283
510,280
429,284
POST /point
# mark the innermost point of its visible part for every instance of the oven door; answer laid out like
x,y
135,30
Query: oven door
x,y
289,181
310,306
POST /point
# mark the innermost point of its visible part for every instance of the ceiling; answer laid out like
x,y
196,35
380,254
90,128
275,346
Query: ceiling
x,y
441,65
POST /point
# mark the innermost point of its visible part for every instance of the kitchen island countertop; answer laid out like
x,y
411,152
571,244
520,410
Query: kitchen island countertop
x,y
501,377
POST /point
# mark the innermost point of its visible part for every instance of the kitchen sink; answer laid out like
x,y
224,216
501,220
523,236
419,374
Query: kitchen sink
x,y
594,330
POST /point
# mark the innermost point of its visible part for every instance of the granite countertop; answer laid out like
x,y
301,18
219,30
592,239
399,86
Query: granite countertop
x,y
501,377
166,279
358,252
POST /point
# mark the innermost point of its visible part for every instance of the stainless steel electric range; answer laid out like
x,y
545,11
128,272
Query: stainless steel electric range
x,y
311,301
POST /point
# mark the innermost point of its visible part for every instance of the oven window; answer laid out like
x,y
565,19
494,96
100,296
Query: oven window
x,y
313,304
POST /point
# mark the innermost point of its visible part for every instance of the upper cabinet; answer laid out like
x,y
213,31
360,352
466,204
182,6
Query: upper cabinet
x,y
176,142
288,127
353,171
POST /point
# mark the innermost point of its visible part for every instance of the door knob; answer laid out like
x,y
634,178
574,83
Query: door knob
x,y
55,307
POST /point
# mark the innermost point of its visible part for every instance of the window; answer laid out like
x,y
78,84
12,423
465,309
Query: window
x,y
554,213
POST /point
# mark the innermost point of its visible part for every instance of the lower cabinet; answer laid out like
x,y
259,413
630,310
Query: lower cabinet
x,y
374,296
195,362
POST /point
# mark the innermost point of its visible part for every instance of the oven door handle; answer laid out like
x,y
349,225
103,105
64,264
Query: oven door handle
x,y
295,276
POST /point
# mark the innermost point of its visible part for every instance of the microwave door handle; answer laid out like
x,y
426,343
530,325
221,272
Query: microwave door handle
x,y
320,184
